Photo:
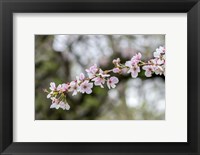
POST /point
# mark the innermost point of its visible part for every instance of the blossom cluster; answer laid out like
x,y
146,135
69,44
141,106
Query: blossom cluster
x,y
97,77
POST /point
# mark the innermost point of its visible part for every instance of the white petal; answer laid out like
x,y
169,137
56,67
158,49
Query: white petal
x,y
57,106
156,54
108,84
74,93
88,91
62,105
49,95
129,71
128,63
90,85
101,86
134,74
67,107
59,87
53,105
145,67
139,55
113,85
114,79
160,61
82,76
148,73
53,85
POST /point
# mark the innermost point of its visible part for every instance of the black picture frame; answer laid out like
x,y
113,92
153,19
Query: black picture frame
x,y
8,7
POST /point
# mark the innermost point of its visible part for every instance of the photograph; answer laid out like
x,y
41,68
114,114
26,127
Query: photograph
x,y
100,76
93,77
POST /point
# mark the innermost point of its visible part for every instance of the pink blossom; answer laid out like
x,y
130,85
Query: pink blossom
x,y
54,103
103,74
64,106
111,82
62,88
116,61
160,61
152,61
136,59
61,104
116,70
73,87
99,81
65,86
92,71
54,100
50,94
159,51
157,61
159,70
99,77
52,86
86,87
81,77
149,69
133,69
59,88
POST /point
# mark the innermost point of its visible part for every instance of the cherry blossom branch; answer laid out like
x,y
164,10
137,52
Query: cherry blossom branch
x,y
96,76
